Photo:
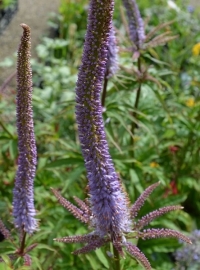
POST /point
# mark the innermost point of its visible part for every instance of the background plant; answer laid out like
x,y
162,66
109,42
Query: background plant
x,y
187,257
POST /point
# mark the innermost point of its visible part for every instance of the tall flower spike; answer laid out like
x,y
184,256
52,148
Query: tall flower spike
x,y
136,24
108,202
23,201
112,62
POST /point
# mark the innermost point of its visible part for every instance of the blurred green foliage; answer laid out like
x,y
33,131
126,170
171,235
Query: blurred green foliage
x,y
165,145
6,3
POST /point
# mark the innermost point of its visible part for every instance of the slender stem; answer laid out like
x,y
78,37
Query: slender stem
x,y
116,259
134,125
103,98
7,81
134,114
22,244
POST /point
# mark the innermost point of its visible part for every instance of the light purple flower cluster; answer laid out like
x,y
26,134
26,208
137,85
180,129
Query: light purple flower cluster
x,y
188,257
109,205
23,201
93,240
112,62
136,24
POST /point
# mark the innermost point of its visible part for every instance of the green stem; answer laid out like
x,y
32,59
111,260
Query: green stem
x,y
134,114
22,245
134,125
116,259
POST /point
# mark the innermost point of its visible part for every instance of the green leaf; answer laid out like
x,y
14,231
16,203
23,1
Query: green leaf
x,y
73,176
64,162
3,266
92,262
6,259
13,149
46,247
136,181
102,258
25,268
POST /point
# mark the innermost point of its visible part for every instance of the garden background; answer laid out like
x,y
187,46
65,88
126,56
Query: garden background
x,y
153,136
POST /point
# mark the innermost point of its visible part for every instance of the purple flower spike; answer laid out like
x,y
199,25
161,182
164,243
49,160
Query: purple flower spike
x,y
112,63
136,24
23,201
108,202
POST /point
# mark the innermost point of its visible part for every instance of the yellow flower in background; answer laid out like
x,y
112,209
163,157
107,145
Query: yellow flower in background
x,y
190,102
196,49
154,165
195,83
136,138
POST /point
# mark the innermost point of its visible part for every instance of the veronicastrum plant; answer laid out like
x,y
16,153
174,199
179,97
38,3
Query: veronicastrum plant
x,y
107,209
23,198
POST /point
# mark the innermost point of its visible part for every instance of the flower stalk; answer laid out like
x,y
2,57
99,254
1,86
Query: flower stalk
x,y
108,202
23,199
136,24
